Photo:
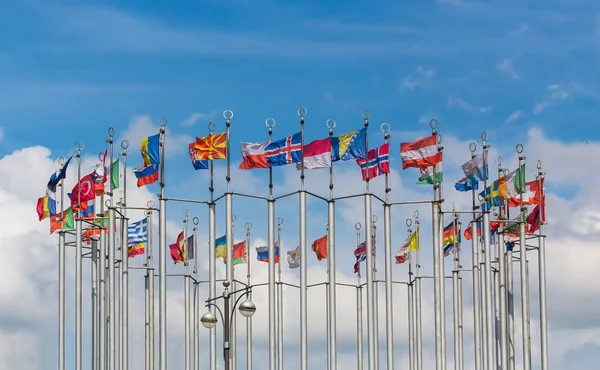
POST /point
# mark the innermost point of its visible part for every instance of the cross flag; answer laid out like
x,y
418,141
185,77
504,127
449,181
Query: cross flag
x,y
285,151
379,162
137,237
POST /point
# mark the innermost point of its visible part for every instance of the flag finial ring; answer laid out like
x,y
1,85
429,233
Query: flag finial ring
x,y
233,217
302,112
163,121
539,164
111,132
279,221
499,160
374,219
439,138
108,203
484,136
519,148
330,123
211,127
248,226
79,146
125,144
433,124
228,114
270,122
366,114
101,155
150,204
408,222
196,220
61,161
357,226
416,215
473,147
386,128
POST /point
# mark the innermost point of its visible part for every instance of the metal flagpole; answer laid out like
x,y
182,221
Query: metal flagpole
x,y
487,281
279,311
78,266
542,272
375,293
248,227
371,354
411,309
94,291
103,294
162,255
501,288
438,267
270,122
359,315
61,277
461,352
524,273
331,262
186,296
112,260
455,293
124,263
149,288
418,315
387,238
476,275
303,284
327,311
233,326
212,279
229,206
196,348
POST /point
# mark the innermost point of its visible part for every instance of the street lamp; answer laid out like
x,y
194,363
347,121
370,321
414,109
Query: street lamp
x,y
209,320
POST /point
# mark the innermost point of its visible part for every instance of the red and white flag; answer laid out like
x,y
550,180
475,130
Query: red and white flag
x,y
86,188
317,154
421,153
379,162
532,195
254,155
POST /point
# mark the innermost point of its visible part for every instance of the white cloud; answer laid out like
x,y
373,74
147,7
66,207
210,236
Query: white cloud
x,y
507,65
554,95
456,101
514,116
195,117
419,78
142,126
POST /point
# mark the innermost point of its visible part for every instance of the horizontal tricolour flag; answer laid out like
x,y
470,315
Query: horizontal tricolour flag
x,y
146,175
211,147
427,175
318,154
147,172
262,253
451,238
197,163
254,155
285,151
379,162
421,153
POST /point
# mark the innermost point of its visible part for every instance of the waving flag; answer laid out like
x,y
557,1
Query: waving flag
x,y
177,249
262,253
285,151
147,172
199,164
421,153
532,194
137,237
379,162
55,178
211,147
352,145
293,258
87,190
318,153
319,246
254,155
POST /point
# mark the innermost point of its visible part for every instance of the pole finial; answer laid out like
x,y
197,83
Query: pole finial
x,y
473,147
357,226
233,218
499,160
211,127
279,221
125,144
111,132
366,114
61,161
248,226
330,123
163,122
484,136
150,204
270,122
228,114
302,112
195,221
433,124
385,128
79,146
519,148
408,222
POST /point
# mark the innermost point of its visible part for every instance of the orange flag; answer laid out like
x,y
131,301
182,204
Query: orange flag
x,y
211,147
319,246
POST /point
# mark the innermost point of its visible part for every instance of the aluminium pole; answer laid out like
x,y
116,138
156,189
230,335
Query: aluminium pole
x,y
248,227
196,323
78,268
332,312
456,294
103,295
212,268
112,277
124,264
542,271
359,315
162,256
270,123
411,309
487,286
501,333
303,260
94,310
387,239
186,297
418,289
61,280
279,310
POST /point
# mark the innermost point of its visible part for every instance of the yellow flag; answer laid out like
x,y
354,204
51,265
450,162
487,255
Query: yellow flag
x,y
414,241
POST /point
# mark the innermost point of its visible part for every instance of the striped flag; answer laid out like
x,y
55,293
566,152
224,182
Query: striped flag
x,y
421,153
137,237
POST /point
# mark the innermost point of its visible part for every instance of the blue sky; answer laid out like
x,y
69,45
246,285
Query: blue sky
x,y
523,71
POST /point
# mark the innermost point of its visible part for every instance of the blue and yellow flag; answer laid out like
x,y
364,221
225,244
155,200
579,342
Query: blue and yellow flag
x,y
352,145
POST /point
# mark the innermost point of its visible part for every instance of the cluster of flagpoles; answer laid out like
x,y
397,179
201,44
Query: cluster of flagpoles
x,y
494,341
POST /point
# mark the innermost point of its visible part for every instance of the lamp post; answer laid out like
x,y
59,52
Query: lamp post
x,y
209,320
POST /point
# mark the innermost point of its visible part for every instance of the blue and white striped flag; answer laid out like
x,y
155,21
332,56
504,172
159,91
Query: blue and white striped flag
x,y
137,232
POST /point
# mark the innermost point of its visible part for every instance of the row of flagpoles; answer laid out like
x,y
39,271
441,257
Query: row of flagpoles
x,y
493,286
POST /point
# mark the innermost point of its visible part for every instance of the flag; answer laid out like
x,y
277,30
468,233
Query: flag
x,y
410,244
379,162
451,238
361,254
507,186
221,246
254,155
63,220
319,246
86,186
469,231
532,194
87,209
285,151
318,154
239,253
137,237
211,147
55,178
189,247
534,220
466,184
427,174
177,249
510,246
46,207
262,253
197,163
147,172
293,258
475,169
402,255
421,153
114,175
352,145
